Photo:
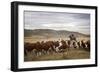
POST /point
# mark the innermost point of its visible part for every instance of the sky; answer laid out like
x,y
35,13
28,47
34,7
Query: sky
x,y
77,22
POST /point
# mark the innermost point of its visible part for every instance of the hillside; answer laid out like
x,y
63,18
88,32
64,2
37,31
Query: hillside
x,y
51,33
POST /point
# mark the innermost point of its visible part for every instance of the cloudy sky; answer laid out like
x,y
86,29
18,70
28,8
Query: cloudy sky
x,y
57,20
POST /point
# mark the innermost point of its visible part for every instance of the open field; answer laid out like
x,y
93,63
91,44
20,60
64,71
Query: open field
x,y
72,54
36,38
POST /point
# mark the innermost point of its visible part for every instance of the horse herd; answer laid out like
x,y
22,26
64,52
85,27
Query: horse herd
x,y
49,47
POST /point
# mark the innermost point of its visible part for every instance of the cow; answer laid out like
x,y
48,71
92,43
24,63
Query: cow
x,y
63,46
75,45
79,44
49,47
44,47
69,43
88,45
83,44
28,48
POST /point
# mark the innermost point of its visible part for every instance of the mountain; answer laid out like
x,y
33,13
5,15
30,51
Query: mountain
x,y
51,33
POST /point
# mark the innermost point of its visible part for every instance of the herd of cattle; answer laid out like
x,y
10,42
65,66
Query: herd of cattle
x,y
47,47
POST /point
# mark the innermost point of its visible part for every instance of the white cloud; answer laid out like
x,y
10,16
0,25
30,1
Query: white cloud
x,y
58,25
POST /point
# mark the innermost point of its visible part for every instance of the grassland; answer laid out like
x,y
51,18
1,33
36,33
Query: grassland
x,y
72,54
68,55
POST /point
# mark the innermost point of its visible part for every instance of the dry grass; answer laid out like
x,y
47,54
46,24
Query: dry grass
x,y
72,54
35,39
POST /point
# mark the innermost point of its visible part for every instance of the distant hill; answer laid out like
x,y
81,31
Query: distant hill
x,y
51,33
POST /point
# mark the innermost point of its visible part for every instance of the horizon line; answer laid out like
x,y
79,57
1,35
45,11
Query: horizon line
x,y
57,30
